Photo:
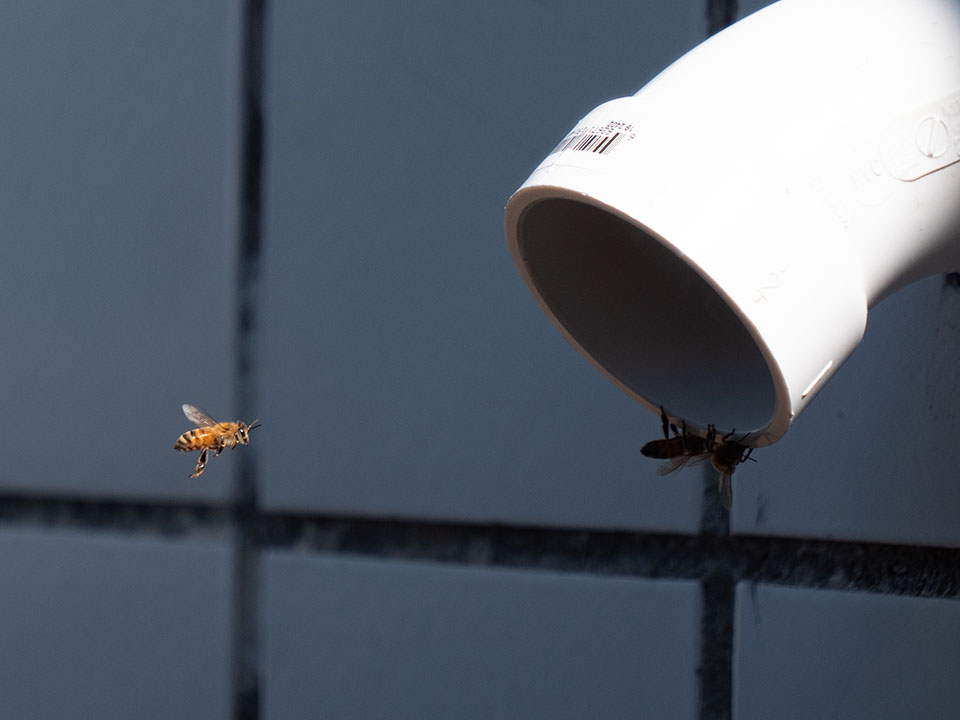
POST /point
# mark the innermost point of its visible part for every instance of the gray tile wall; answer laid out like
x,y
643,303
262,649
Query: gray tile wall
x,y
805,654
118,153
414,640
393,319
99,625
291,211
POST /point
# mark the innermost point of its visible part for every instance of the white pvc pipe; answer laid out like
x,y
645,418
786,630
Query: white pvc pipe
x,y
713,242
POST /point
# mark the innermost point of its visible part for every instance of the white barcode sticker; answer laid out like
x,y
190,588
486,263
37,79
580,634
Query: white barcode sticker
x,y
597,139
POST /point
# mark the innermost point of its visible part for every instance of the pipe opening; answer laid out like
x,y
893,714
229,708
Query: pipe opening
x,y
644,315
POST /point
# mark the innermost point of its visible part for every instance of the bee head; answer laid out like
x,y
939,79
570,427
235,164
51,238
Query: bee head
x,y
243,431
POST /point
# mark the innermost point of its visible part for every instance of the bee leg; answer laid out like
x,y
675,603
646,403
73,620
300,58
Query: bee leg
x,y
711,436
220,446
201,464
689,444
666,423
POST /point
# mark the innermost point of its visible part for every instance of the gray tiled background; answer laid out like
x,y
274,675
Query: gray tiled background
x,y
105,626
453,517
805,654
473,643
395,325
118,158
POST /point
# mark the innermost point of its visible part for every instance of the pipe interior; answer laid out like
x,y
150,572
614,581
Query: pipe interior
x,y
645,316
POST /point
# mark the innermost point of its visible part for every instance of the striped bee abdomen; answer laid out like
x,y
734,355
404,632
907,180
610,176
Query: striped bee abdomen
x,y
195,439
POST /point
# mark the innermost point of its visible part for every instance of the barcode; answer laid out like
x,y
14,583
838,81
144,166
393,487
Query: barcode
x,y
600,144
598,139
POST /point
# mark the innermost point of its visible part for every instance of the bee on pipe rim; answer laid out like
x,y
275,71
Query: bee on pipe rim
x,y
685,448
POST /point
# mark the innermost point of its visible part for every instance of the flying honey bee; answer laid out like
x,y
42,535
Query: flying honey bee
x,y
685,449
211,435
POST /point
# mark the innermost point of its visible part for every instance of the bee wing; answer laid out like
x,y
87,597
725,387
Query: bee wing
x,y
681,461
197,416
726,490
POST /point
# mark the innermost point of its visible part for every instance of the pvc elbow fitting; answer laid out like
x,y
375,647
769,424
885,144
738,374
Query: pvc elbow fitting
x,y
713,243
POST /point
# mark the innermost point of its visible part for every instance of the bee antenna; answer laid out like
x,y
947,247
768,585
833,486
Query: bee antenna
x,y
254,424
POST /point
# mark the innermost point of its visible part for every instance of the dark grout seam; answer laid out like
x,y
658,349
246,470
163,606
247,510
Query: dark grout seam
x,y
717,588
720,14
885,568
246,664
716,645
917,571
164,519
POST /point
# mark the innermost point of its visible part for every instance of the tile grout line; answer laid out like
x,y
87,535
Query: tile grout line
x,y
720,14
883,568
717,581
246,589
892,569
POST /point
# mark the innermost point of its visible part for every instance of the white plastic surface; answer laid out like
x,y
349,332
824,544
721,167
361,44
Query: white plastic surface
x,y
713,242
